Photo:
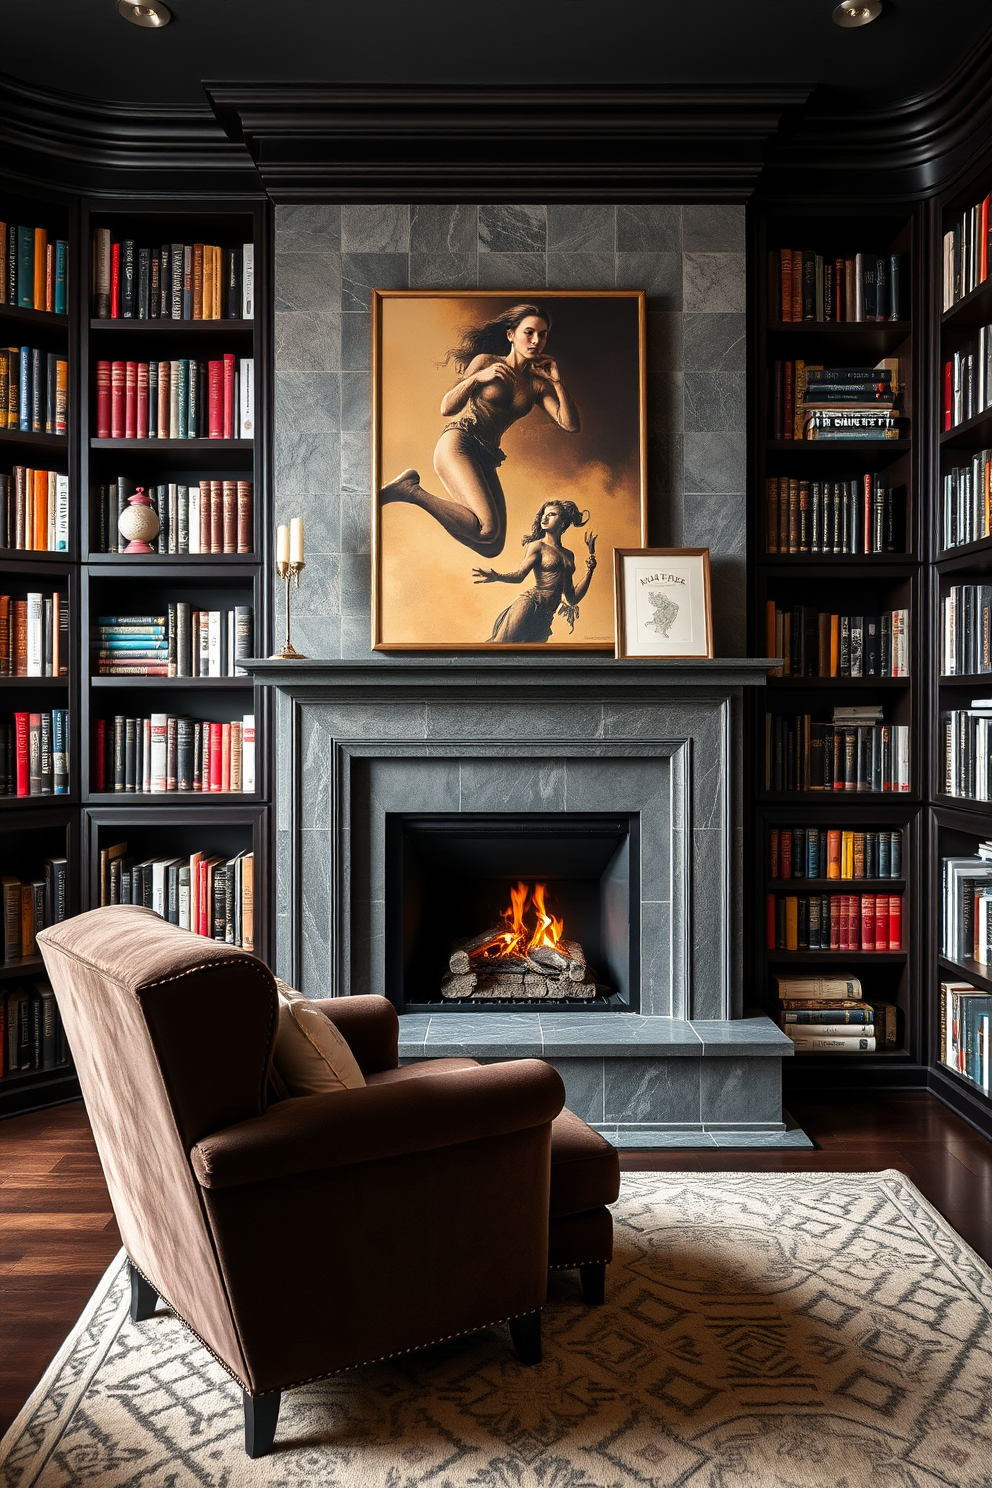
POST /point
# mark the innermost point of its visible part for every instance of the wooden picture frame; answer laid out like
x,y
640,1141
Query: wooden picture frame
x,y
662,607
439,565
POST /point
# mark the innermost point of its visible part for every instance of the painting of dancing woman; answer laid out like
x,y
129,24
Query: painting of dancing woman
x,y
487,407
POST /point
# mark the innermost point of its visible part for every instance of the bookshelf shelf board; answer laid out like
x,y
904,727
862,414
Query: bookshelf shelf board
x,y
974,310
170,798
30,803
974,433
30,560
184,327
850,450
822,1060
38,441
12,682
876,335
835,885
966,1080
170,563
206,684
973,681
9,972
831,958
861,799
859,682
967,971
17,314
833,564
973,556
173,446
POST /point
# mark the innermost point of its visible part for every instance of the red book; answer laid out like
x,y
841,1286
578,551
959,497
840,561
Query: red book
x,y
118,381
205,757
216,755
881,922
773,841
225,757
785,854
948,395
229,395
115,282
22,723
835,921
895,922
216,517
867,922
229,503
100,755
205,516
142,400
203,872
103,400
983,242
130,400
215,400
770,923
245,541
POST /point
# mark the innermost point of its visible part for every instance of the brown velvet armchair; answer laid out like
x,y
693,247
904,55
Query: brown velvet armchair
x,y
426,1196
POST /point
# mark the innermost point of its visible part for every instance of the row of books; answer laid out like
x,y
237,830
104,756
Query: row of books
x,y
29,905
964,880
173,281
807,754
834,922
966,630
215,516
806,285
815,643
859,514
968,381
34,510
830,852
828,1015
184,642
205,893
814,402
34,390
34,753
967,744
34,635
965,1017
169,752
33,270
968,501
966,253
31,1032
183,399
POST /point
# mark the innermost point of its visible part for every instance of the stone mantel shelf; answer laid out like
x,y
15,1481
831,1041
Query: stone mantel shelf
x,y
602,673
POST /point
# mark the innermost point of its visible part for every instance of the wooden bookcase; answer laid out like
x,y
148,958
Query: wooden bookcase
x,y
77,825
863,583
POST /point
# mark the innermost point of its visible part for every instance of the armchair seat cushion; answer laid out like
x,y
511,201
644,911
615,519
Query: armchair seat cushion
x,y
585,1168
416,1071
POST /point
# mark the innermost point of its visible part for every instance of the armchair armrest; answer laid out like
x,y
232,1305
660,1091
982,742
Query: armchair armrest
x,y
368,1025
321,1132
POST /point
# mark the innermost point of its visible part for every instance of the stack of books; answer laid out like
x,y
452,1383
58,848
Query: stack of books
x,y
181,643
966,253
857,751
34,510
174,281
182,399
832,852
31,1032
214,516
166,752
809,401
828,1015
968,501
28,906
965,1015
34,390
806,285
34,635
132,646
834,922
815,643
859,514
33,271
207,894
34,753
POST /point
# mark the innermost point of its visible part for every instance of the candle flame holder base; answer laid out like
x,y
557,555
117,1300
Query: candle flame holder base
x,y
289,572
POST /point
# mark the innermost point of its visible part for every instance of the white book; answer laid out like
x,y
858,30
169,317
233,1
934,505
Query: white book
x,y
214,641
160,885
827,1030
159,751
194,518
184,897
835,1045
901,732
145,746
246,402
248,752
61,513
36,636
230,642
248,282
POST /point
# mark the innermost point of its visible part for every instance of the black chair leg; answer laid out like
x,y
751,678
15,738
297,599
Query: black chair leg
x,y
261,1415
593,1279
526,1335
143,1297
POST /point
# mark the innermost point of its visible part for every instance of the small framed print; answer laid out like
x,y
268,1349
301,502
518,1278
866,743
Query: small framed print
x,y
662,598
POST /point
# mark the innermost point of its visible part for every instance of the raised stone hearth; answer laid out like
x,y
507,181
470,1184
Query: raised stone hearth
x,y
657,744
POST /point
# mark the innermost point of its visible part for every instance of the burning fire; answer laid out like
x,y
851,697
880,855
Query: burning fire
x,y
517,939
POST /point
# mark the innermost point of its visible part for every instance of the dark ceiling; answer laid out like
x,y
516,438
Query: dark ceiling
x,y
83,47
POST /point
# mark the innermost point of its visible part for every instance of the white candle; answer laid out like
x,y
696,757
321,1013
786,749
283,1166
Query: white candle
x,y
296,540
282,544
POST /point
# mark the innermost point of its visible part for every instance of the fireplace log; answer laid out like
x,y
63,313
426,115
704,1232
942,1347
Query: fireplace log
x,y
460,959
576,971
459,986
546,959
535,986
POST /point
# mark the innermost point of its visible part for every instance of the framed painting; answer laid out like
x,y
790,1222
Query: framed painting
x,y
663,602
508,459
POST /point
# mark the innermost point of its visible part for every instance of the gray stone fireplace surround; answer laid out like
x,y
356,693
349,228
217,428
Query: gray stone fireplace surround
x,y
658,741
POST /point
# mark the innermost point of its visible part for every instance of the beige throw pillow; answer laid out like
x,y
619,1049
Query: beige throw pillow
x,y
310,1053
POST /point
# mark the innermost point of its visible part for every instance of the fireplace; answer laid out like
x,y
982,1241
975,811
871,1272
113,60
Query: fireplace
x,y
492,912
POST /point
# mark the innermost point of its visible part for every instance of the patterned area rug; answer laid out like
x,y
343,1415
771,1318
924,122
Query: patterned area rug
x,y
794,1331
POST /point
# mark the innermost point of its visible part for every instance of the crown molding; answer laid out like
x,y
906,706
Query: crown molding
x,y
92,146
559,143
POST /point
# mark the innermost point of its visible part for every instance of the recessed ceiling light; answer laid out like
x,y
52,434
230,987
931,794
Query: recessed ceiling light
x,y
151,13
856,12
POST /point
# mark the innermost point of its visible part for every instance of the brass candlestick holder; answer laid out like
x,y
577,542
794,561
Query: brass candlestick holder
x,y
289,572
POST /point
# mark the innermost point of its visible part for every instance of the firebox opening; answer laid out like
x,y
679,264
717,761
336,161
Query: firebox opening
x,y
559,887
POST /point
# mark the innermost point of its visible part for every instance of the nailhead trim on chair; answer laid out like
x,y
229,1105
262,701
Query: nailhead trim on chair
x,y
571,1265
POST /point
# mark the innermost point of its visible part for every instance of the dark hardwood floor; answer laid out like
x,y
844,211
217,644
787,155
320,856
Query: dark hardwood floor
x,y
57,1232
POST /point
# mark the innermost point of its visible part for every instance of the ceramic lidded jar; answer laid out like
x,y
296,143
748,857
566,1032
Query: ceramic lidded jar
x,y
139,523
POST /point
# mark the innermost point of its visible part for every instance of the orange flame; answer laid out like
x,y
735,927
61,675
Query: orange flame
x,y
517,939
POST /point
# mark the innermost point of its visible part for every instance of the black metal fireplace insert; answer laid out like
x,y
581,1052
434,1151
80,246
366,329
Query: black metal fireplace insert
x,y
451,877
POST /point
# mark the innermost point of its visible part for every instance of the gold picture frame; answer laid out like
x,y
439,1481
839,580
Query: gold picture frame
x,y
435,583
662,608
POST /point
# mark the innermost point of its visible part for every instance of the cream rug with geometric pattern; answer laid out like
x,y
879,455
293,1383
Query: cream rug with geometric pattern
x,y
760,1331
